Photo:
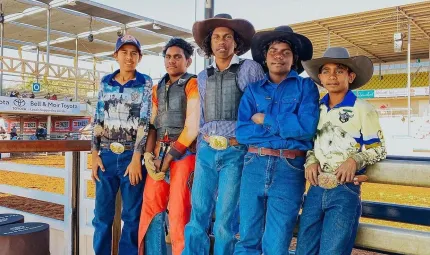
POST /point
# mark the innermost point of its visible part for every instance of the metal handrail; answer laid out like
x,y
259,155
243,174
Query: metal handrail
x,y
58,146
402,170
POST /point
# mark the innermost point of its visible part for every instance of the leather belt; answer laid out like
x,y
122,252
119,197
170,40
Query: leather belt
x,y
291,154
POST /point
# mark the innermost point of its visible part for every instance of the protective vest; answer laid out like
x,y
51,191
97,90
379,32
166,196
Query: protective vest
x,y
172,107
222,95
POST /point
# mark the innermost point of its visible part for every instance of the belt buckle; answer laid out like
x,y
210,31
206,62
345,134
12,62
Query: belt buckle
x,y
218,142
117,148
327,181
259,152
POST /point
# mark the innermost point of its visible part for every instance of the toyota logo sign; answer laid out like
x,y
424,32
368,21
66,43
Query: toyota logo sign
x,y
19,102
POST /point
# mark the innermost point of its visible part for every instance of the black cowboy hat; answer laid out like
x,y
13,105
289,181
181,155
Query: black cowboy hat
x,y
243,28
362,66
301,45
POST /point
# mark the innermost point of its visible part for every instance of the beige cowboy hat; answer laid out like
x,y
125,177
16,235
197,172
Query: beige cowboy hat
x,y
243,28
362,66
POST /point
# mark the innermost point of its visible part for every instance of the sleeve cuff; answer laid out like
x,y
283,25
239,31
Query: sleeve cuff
x,y
269,124
311,161
139,149
359,160
177,150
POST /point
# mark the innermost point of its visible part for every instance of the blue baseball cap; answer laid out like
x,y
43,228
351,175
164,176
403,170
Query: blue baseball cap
x,y
127,39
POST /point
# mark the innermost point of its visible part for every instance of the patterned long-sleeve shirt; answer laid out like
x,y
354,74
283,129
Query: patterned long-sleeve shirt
x,y
249,72
351,129
123,112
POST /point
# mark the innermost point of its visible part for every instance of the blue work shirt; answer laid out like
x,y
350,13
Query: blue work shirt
x,y
291,112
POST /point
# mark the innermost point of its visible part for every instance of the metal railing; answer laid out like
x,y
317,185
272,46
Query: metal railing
x,y
407,171
75,174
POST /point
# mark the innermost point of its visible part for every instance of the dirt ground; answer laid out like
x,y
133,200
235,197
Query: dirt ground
x,y
371,192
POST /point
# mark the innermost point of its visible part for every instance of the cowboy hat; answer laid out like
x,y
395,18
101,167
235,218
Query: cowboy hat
x,y
243,28
300,45
362,66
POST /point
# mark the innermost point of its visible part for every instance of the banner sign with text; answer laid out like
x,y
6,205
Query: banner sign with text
x,y
29,105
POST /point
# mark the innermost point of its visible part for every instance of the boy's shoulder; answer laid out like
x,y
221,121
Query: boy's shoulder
x,y
256,84
143,78
364,106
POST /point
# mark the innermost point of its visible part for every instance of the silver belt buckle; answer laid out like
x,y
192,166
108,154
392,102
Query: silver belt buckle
x,y
117,148
327,181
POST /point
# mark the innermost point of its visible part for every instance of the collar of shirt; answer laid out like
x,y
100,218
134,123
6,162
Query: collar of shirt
x,y
348,100
139,79
166,78
291,75
234,60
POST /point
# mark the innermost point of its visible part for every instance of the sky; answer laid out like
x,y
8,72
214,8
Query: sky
x,y
261,13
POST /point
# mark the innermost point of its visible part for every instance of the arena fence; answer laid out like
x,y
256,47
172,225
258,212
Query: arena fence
x,y
78,208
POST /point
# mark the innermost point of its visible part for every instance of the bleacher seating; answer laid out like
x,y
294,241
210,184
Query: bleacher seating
x,y
392,81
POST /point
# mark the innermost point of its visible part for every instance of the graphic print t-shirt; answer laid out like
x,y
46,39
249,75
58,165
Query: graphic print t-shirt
x,y
123,112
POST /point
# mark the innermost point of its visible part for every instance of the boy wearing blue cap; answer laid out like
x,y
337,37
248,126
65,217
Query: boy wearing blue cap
x,y
121,124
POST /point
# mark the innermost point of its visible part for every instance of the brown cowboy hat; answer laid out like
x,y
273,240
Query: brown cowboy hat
x,y
243,28
301,45
362,66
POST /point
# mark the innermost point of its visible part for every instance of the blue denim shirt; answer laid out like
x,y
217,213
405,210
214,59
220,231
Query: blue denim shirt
x,y
291,113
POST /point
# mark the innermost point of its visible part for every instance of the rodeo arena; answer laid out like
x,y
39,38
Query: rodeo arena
x,y
53,57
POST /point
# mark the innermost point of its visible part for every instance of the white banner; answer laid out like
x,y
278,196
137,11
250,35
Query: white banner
x,y
420,91
29,105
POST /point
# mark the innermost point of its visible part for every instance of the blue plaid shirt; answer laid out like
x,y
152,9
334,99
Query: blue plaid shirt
x,y
250,71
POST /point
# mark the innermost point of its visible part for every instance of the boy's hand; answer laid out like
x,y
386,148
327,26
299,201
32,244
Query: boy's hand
x,y
360,179
346,171
311,173
96,163
166,163
134,169
155,164
258,118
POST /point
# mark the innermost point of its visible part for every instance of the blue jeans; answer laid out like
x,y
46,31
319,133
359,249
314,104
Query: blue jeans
x,y
217,174
271,195
155,237
111,180
329,221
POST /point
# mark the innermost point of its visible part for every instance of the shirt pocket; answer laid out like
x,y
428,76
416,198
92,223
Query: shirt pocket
x,y
263,106
288,105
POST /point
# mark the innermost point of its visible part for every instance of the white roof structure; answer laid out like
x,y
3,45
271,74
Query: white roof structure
x,y
54,26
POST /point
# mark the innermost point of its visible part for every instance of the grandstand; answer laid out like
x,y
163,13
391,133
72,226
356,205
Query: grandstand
x,y
394,81
371,34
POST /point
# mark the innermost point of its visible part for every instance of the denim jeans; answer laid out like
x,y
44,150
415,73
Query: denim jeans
x,y
216,183
271,195
111,180
329,221
155,238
